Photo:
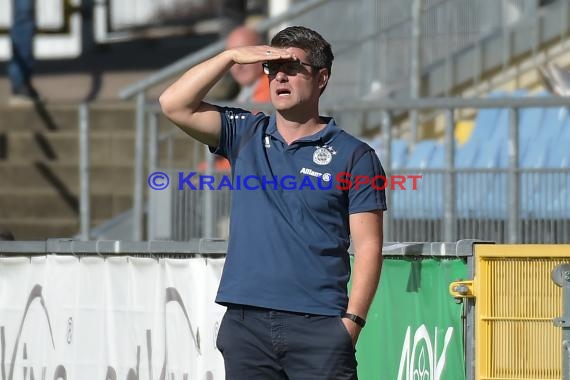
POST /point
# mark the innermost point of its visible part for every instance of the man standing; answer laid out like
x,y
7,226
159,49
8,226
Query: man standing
x,y
287,267
20,67
254,84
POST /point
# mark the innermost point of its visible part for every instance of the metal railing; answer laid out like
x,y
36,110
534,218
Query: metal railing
x,y
450,181
454,202
138,90
378,33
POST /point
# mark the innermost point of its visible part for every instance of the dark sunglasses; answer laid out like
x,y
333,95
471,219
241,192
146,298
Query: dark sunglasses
x,y
287,67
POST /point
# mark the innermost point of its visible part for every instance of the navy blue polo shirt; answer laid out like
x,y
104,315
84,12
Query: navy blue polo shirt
x,y
289,228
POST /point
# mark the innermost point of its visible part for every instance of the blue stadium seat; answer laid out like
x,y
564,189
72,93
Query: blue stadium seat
x,y
499,130
466,155
565,130
559,156
551,129
531,183
492,154
486,120
438,158
530,126
543,195
495,202
537,155
544,142
465,158
551,199
399,153
549,196
412,203
561,205
478,192
554,118
535,130
560,208
495,153
432,184
491,197
477,153
530,119
422,154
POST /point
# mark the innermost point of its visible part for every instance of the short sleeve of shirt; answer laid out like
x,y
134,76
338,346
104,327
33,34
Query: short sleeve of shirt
x,y
236,123
370,196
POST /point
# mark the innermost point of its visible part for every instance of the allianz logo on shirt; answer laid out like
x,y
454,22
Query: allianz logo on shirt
x,y
325,176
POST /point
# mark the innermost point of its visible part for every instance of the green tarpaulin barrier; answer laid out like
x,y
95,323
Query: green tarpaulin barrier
x,y
414,328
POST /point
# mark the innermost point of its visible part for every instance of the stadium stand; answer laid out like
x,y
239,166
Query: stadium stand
x,y
482,183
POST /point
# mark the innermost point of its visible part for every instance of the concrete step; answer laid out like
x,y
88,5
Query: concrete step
x,y
106,147
42,175
51,203
38,229
117,116
39,173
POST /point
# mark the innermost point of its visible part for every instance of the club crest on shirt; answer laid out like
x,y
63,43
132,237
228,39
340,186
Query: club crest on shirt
x,y
323,155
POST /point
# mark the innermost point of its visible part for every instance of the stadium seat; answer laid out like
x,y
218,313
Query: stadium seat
x,y
560,159
542,194
431,190
535,157
532,183
399,151
549,196
427,202
530,120
565,130
486,120
422,154
477,191
438,157
536,127
552,125
492,154
466,155
465,158
492,197
544,141
410,203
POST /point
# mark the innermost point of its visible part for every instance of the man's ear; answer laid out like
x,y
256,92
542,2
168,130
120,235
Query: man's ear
x,y
323,78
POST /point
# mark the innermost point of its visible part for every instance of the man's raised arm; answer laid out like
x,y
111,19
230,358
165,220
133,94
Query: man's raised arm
x,y
183,104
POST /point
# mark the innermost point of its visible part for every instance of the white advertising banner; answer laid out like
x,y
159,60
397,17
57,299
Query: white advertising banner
x,y
91,318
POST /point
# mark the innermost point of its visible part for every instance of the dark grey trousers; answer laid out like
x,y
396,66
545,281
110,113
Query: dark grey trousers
x,y
268,344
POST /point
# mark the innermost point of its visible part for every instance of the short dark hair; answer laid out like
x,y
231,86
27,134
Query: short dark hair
x,y
319,51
